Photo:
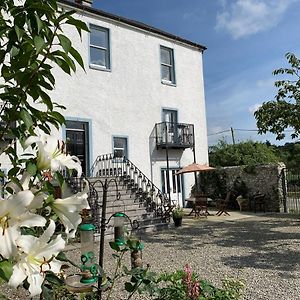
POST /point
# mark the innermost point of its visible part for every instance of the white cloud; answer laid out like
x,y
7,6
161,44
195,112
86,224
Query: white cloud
x,y
265,83
253,108
246,17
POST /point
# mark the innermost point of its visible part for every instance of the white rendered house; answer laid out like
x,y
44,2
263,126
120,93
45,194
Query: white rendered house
x,y
141,96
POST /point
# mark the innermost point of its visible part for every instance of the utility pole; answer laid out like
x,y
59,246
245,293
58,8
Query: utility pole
x,y
232,135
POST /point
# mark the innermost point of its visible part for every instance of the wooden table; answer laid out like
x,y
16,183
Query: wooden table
x,y
199,210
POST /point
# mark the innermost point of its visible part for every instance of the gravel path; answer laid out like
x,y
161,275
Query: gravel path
x,y
264,251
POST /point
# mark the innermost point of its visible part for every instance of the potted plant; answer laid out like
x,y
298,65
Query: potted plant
x,y
177,215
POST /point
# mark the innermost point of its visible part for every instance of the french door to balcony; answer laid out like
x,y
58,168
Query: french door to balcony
x,y
171,119
175,184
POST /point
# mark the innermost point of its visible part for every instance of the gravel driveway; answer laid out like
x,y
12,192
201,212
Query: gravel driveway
x,y
262,250
265,251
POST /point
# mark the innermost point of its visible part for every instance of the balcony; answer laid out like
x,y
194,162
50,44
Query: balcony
x,y
174,135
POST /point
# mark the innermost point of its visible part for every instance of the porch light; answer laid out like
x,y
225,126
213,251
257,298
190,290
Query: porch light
x,y
89,267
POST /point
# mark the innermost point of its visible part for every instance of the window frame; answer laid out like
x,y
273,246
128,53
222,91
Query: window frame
x,y
125,149
107,49
170,66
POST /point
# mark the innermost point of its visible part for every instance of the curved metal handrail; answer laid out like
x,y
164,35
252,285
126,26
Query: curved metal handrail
x,y
108,165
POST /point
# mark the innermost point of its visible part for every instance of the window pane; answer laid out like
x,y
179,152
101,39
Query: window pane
x,y
75,125
98,57
166,73
119,153
119,142
99,37
166,56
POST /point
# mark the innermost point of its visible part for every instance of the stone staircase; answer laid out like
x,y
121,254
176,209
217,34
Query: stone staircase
x,y
122,198
127,190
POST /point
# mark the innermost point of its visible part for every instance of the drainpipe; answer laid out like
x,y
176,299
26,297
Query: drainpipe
x,y
194,153
168,167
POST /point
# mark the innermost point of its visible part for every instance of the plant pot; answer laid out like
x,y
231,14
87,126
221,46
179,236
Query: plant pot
x,y
177,221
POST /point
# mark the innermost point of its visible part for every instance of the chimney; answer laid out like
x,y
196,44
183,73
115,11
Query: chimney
x,y
84,2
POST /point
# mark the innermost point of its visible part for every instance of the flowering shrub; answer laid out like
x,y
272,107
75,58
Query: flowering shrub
x,y
186,285
31,43
27,212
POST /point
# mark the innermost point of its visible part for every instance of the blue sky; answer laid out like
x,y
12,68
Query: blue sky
x,y
246,41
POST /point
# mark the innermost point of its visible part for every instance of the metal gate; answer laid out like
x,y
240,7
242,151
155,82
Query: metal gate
x,y
291,190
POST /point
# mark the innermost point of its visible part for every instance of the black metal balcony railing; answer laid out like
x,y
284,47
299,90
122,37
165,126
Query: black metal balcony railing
x,y
174,135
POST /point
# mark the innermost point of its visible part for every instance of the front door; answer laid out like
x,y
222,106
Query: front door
x,y
175,184
77,142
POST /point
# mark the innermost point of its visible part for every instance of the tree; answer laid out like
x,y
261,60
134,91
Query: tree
x,y
283,112
289,153
31,43
245,153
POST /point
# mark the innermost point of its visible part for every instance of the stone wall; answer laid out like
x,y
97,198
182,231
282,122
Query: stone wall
x,y
265,179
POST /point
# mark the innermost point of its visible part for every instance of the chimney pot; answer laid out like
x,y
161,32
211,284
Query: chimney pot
x,y
84,2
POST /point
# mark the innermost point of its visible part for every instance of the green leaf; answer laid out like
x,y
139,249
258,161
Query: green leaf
x,y
62,257
77,57
19,32
60,179
114,246
62,64
58,117
26,118
129,287
47,292
39,23
6,269
52,278
46,99
65,42
39,44
31,168
13,172
78,24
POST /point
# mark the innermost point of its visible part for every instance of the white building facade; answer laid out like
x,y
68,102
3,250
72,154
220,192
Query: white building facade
x,y
141,96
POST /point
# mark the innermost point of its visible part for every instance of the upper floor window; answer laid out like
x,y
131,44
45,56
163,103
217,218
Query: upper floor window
x,y
99,47
167,65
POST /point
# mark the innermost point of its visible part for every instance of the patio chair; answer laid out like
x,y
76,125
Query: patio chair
x,y
222,205
200,206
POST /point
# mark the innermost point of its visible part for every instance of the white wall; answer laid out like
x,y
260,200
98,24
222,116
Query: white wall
x,y
128,100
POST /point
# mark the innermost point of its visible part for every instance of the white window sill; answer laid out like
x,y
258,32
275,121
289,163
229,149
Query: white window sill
x,y
168,83
99,68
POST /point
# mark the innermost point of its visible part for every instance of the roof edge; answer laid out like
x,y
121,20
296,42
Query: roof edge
x,y
132,23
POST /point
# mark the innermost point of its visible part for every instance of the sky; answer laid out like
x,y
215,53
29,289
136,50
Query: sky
x,y
246,40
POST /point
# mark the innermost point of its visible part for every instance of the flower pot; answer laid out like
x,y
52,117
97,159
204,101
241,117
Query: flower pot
x,y
177,221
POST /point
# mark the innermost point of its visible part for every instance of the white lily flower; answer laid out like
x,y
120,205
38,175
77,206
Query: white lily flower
x,y
24,183
37,256
13,215
52,154
68,210
39,197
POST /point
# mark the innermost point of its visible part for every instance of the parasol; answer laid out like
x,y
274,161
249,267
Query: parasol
x,y
194,168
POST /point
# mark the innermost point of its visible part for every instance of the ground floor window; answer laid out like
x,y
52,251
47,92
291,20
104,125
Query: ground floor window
x,y
120,146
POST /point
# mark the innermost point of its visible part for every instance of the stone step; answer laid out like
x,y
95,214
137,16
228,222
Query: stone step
x,y
145,227
135,203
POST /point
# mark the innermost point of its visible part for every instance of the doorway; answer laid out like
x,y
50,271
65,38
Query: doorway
x,y
175,183
77,142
